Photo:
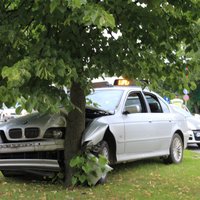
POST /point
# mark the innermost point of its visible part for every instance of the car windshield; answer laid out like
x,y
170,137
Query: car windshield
x,y
106,99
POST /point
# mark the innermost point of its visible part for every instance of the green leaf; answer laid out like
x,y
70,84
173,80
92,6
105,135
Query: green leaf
x,y
102,160
53,5
110,20
77,3
87,168
102,21
82,178
74,180
19,109
77,161
193,86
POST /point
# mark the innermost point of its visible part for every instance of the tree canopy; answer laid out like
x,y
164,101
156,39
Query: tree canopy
x,y
194,101
47,44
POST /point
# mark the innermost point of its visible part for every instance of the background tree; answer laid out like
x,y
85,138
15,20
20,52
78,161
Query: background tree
x,y
194,101
46,45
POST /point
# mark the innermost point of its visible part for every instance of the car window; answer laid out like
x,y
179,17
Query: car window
x,y
164,106
136,99
153,102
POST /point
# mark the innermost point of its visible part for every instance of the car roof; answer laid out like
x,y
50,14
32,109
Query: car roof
x,y
128,88
124,88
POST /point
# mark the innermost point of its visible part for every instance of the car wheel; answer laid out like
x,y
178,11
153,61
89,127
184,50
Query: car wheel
x,y
11,173
176,150
198,145
104,150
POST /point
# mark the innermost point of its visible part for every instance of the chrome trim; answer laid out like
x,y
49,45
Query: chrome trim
x,y
34,146
42,164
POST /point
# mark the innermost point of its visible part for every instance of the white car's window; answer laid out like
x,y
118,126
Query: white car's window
x,y
164,106
153,102
106,99
136,99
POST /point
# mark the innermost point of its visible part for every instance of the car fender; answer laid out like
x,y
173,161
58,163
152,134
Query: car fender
x,y
181,126
193,123
94,133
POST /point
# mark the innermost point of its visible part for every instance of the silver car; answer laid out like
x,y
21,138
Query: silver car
x,y
193,124
126,124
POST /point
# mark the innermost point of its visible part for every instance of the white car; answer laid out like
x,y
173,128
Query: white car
x,y
128,124
7,114
193,124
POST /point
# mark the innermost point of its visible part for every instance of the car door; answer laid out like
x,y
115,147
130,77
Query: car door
x,y
161,121
139,132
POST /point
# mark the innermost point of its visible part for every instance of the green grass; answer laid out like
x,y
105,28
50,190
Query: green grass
x,y
147,179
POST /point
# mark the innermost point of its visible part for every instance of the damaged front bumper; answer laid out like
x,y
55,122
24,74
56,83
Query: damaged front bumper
x,y
29,164
49,145
32,155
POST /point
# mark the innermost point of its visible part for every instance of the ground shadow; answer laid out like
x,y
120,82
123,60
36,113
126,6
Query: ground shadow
x,y
136,164
193,147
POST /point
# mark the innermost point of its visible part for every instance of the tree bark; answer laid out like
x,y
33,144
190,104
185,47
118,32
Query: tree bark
x,y
74,130
196,109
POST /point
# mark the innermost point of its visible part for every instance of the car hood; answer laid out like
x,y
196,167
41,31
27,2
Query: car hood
x,y
35,119
193,123
42,119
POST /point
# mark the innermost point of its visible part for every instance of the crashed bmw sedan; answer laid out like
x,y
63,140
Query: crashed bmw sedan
x,y
126,124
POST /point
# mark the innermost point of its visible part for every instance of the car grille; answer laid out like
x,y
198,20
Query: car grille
x,y
29,133
15,133
32,132
58,155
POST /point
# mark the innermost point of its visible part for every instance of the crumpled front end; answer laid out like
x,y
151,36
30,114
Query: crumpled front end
x,y
94,133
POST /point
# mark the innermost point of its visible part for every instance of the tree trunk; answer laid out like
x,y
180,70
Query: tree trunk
x,y
74,130
196,109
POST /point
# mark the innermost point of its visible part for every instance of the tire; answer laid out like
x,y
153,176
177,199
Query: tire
x,y
176,150
198,144
104,150
9,174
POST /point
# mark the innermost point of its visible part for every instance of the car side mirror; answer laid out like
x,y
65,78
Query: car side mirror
x,y
132,109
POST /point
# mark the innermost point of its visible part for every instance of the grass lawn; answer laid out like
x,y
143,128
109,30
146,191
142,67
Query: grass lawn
x,y
147,179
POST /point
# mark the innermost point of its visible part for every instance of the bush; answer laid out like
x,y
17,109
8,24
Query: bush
x,y
90,169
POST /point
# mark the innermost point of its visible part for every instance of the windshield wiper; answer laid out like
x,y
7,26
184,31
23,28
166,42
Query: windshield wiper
x,y
99,110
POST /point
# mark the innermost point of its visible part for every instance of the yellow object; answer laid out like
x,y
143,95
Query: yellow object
x,y
122,82
177,102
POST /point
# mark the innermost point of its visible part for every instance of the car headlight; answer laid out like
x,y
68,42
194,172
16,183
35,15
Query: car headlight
x,y
54,133
197,133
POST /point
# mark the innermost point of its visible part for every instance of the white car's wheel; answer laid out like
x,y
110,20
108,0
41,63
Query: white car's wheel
x,y
176,150
198,145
